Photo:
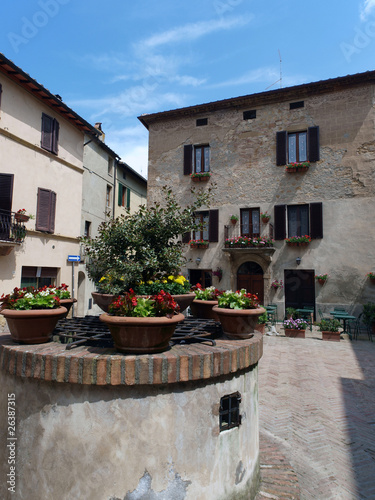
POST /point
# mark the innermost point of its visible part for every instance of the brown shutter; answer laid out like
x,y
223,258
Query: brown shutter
x,y
316,220
55,137
47,132
214,226
6,192
188,158
45,213
313,143
279,222
281,158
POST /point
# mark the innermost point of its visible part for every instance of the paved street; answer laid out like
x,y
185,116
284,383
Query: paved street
x,y
317,418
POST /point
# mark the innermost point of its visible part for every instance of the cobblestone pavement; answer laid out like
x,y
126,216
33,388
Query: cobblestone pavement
x,y
317,418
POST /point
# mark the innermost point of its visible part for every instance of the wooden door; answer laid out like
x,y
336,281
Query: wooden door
x,y
299,286
250,277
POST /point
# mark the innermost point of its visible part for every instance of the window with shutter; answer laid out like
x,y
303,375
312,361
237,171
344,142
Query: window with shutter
x,y
45,213
250,222
196,159
297,146
208,222
50,134
6,195
299,219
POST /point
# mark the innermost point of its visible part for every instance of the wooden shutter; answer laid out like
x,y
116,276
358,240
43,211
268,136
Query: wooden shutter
x,y
6,192
47,132
316,220
313,143
127,198
281,150
55,137
214,226
119,200
45,213
279,222
186,237
188,159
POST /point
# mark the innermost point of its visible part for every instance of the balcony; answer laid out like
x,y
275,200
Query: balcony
x,y
12,232
242,239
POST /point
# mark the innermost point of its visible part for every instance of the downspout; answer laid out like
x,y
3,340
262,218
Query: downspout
x,y
114,187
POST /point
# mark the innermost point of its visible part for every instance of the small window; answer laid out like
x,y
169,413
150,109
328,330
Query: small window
x,y
250,115
296,105
229,412
50,134
201,122
87,229
110,166
108,196
201,159
208,222
123,196
38,276
250,222
297,147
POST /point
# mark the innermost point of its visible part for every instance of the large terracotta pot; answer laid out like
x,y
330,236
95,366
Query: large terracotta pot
x,y
184,300
67,303
238,323
34,326
103,300
261,328
333,336
203,309
297,334
141,335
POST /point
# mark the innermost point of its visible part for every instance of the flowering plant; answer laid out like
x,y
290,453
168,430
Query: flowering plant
x,y
198,243
329,325
371,276
238,300
218,272
248,241
295,324
200,175
60,291
22,211
30,298
210,293
299,239
323,277
175,285
298,165
161,304
265,215
234,217
277,284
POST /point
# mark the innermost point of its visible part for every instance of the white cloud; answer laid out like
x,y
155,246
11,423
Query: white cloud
x,y
194,31
366,9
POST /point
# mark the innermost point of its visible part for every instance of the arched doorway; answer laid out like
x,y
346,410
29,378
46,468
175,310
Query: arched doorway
x,y
250,277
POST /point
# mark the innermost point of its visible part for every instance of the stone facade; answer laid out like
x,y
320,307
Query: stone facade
x,y
244,167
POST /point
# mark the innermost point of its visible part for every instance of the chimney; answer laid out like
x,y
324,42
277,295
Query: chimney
x,y
98,126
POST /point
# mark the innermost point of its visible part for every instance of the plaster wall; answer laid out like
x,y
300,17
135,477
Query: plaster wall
x,y
115,443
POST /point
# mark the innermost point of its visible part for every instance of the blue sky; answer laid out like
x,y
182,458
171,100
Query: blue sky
x,y
113,61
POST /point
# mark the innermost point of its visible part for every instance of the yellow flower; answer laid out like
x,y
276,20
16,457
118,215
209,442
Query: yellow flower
x,y
149,282
102,279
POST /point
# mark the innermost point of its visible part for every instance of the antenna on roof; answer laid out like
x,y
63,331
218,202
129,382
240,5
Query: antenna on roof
x,y
281,75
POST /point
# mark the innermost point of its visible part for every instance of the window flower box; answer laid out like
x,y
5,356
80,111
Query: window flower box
x,y
297,167
248,241
298,241
202,244
200,176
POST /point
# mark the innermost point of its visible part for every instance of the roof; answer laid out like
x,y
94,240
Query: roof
x,y
134,172
262,98
42,94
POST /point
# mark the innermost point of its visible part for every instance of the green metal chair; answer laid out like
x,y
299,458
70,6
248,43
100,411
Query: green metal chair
x,y
359,327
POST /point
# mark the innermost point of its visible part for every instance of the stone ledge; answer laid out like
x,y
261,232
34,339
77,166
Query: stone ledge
x,y
98,366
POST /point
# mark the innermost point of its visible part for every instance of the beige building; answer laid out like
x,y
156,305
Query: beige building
x,y
131,189
41,171
243,146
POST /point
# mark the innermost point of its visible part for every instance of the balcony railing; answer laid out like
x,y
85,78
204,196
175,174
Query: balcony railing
x,y
244,236
11,230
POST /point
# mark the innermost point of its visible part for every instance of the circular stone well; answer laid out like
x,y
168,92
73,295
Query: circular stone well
x,y
92,423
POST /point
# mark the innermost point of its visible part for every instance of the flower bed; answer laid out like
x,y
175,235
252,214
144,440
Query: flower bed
x,y
247,241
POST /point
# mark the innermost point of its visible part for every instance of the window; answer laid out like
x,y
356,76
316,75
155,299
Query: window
x,y
296,105
201,122
298,220
50,134
6,195
196,159
250,221
87,229
108,196
229,412
45,212
110,166
297,146
202,276
250,115
38,276
123,196
209,227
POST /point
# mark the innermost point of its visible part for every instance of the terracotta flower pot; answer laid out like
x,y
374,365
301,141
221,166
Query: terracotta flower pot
x,y
238,323
333,336
67,303
141,335
265,219
203,309
184,300
297,334
103,300
260,328
321,282
34,326
21,217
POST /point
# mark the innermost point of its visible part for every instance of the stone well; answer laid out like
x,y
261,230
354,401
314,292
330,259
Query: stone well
x,y
94,424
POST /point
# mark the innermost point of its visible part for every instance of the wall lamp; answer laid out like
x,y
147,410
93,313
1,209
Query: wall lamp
x,y
198,261
298,261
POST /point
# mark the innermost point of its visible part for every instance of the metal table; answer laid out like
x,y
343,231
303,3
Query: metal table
x,y
342,316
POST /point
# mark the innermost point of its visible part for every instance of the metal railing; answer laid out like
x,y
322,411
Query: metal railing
x,y
237,230
11,230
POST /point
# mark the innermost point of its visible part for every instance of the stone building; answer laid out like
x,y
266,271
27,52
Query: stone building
x,y
243,145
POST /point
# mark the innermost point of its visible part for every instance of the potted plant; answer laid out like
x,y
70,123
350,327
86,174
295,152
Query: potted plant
x,y
234,219
298,166
142,325
218,272
295,327
291,313
205,299
63,294
22,216
321,278
265,217
298,240
276,284
199,244
371,277
238,313
31,314
330,329
368,317
200,176
249,241
261,324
